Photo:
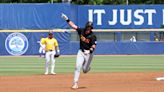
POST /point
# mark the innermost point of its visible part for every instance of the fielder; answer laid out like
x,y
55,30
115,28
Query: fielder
x,y
52,49
87,47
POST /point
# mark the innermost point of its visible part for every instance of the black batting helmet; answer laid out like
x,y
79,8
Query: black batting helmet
x,y
89,24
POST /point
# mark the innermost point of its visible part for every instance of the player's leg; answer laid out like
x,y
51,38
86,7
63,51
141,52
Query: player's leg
x,y
47,62
52,62
87,62
79,62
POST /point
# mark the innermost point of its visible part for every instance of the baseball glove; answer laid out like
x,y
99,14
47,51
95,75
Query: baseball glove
x,y
56,55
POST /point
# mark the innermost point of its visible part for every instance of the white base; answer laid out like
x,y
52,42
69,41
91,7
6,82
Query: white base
x,y
160,78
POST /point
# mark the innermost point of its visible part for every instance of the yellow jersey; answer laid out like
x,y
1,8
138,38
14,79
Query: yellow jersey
x,y
49,43
42,39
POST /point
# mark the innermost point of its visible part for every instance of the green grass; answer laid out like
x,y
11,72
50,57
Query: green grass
x,y
10,66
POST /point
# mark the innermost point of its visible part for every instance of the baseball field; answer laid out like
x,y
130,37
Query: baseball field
x,y
120,73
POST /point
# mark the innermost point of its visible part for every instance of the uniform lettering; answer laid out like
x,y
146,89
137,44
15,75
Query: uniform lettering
x,y
84,39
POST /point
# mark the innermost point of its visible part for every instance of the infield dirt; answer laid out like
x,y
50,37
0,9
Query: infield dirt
x,y
91,82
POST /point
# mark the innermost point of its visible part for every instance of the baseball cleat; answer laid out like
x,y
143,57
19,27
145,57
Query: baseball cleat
x,y
75,86
46,73
53,73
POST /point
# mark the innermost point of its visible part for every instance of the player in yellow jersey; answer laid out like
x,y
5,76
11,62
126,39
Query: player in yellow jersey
x,y
52,49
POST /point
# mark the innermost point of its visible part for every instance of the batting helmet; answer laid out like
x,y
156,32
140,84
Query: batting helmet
x,y
89,24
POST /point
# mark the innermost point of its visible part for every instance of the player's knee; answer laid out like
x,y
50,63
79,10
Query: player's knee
x,y
85,70
77,69
53,60
47,61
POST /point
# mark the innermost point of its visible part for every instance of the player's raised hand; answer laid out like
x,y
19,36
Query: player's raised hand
x,y
64,16
69,21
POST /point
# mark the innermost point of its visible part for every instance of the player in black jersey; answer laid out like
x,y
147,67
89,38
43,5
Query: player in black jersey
x,y
88,43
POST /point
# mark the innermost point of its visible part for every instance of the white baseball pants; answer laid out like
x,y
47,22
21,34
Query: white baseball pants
x,y
83,61
50,57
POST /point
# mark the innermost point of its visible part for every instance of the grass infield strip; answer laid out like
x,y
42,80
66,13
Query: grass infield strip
x,y
13,66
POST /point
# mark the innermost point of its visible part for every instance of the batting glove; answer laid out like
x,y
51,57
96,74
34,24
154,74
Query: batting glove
x,y
64,16
91,50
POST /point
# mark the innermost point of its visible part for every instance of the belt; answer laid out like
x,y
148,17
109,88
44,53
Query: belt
x,y
50,50
83,50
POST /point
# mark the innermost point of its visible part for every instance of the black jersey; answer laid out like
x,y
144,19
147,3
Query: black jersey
x,y
90,39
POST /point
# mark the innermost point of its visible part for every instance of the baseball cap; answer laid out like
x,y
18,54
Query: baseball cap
x,y
50,34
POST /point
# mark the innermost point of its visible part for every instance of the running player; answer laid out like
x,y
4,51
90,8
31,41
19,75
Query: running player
x,y
87,47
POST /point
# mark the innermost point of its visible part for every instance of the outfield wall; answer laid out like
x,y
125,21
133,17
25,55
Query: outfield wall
x,y
26,43
36,17
48,16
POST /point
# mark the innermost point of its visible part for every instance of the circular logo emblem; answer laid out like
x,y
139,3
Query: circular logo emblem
x,y
16,44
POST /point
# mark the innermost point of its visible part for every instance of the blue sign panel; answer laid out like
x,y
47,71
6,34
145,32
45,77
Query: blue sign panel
x,y
122,16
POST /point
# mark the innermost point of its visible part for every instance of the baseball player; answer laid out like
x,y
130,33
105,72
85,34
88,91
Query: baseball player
x,y
87,47
52,49
42,47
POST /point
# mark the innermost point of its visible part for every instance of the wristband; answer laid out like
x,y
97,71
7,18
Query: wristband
x,y
91,50
68,20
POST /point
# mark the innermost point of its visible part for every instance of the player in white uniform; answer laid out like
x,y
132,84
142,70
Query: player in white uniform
x,y
87,47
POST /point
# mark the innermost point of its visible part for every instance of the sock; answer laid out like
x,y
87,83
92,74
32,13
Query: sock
x,y
46,66
76,75
52,66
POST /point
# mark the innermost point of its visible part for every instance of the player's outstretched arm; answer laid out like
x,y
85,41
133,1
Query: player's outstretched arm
x,y
57,52
69,21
